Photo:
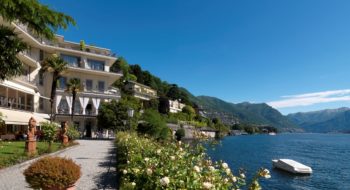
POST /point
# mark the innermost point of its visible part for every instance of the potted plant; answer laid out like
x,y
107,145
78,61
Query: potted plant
x,y
53,173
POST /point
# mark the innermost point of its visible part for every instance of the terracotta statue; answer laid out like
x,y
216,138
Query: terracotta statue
x,y
64,128
31,128
64,133
30,146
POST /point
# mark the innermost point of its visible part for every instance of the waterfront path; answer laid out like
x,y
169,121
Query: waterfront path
x,y
96,158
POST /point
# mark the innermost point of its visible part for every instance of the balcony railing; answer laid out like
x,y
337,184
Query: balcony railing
x,y
65,111
26,79
55,44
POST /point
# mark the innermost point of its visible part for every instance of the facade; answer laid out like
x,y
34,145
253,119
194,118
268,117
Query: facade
x,y
28,94
140,91
175,106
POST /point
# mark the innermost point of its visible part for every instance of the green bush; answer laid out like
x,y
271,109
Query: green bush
x,y
50,132
73,133
154,125
144,163
179,134
52,173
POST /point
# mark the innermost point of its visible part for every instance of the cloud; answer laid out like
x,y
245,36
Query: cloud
x,y
311,98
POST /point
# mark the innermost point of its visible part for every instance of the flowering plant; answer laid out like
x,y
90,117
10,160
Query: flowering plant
x,y
147,164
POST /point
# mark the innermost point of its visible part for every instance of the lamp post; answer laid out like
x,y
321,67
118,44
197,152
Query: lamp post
x,y
130,115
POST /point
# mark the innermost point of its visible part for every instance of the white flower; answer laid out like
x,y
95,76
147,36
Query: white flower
x,y
146,159
180,142
234,179
197,169
242,175
172,157
133,184
266,174
149,171
180,149
224,165
125,172
225,180
159,151
228,171
207,185
164,181
211,168
136,170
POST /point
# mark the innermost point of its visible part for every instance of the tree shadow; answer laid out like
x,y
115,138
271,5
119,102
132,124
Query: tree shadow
x,y
108,179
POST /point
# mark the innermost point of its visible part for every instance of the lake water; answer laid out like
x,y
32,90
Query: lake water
x,y
327,154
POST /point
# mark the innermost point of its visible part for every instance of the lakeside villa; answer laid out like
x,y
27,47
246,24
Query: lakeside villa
x,y
28,95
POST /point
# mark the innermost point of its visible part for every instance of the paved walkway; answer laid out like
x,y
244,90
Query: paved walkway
x,y
96,158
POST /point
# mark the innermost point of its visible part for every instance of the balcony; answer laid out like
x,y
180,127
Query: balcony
x,y
25,80
109,93
64,44
78,112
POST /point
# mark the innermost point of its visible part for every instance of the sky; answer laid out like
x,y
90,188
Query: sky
x,y
292,54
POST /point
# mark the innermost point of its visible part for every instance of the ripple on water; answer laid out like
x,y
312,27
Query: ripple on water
x,y
327,154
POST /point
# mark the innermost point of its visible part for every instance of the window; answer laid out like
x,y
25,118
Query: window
x,y
41,103
72,61
41,55
41,78
62,83
96,65
88,85
29,102
101,86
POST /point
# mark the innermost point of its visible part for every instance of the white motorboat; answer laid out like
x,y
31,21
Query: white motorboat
x,y
272,133
291,166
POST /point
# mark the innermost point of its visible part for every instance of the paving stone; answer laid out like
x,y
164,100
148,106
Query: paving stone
x,y
96,158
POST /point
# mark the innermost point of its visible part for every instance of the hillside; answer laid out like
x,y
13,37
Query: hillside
x,y
211,107
323,121
261,114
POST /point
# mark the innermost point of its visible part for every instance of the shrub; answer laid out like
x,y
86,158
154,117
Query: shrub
x,y
143,163
49,132
73,133
52,173
154,125
180,133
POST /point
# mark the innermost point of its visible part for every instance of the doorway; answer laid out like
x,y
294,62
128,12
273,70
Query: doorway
x,y
88,129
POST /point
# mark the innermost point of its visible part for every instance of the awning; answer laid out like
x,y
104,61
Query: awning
x,y
18,117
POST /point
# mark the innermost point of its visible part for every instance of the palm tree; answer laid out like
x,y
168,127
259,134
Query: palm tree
x,y
74,87
55,65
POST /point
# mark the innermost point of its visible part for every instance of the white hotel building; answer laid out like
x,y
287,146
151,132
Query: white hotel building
x,y
28,95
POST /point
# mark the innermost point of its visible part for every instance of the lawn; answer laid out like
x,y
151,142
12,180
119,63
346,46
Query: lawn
x,y
12,152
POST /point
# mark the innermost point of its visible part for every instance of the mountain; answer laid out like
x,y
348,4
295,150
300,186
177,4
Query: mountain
x,y
260,114
323,121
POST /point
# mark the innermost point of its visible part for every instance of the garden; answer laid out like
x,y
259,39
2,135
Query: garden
x,y
144,163
13,152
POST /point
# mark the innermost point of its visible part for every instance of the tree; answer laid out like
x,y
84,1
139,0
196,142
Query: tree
x,y
74,87
40,18
10,46
113,115
56,66
190,111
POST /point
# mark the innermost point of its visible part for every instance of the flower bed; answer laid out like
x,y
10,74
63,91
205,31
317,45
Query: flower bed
x,y
147,164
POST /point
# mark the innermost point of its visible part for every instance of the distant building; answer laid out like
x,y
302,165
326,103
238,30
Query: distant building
x,y
209,132
140,91
175,106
